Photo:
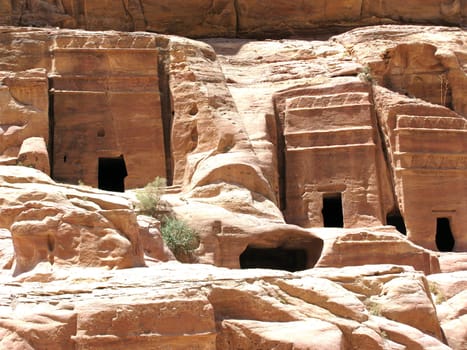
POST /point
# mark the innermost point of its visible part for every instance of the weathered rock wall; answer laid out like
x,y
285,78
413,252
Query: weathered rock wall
x,y
256,127
24,110
228,18
174,306
55,226
76,90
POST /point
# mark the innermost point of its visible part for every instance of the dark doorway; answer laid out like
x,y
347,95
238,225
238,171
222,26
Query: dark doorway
x,y
332,210
112,173
444,238
396,219
274,258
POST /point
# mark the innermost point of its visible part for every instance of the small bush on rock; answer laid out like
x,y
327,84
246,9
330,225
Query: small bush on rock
x,y
366,75
149,197
180,238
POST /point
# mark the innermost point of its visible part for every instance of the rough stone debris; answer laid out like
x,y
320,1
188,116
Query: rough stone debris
x,y
290,154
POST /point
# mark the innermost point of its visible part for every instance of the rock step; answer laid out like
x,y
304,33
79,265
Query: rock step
x,y
355,135
430,122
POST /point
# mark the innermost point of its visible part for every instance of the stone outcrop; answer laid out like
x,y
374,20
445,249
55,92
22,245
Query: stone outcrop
x,y
34,153
362,246
227,18
24,109
180,305
55,226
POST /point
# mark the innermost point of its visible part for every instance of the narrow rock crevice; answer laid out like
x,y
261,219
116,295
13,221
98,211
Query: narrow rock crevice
x,y
166,105
51,127
237,18
381,140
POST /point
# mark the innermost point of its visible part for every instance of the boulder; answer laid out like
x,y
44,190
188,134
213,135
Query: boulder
x,y
34,153
407,301
61,225
311,334
151,239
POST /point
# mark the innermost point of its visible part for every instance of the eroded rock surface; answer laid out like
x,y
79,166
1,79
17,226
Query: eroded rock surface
x,y
203,307
227,18
55,225
298,155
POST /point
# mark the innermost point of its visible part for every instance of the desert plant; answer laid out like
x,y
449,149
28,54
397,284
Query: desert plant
x,y
179,237
366,75
374,307
149,197
444,88
438,295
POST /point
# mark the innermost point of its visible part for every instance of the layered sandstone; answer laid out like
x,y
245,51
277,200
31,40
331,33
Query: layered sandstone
x,y
293,155
203,307
292,148
227,18
54,226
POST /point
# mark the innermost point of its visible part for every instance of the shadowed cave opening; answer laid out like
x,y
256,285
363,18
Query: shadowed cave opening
x,y
288,259
444,237
332,210
112,173
397,220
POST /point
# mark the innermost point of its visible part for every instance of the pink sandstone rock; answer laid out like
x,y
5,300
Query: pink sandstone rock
x,y
227,18
263,134
177,305
66,225
7,252
33,153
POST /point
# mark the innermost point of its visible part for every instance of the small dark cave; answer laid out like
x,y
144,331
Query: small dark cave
x,y
444,238
112,173
396,219
288,259
332,210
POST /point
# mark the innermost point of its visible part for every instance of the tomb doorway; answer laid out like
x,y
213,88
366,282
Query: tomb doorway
x,y
111,174
280,258
444,237
332,210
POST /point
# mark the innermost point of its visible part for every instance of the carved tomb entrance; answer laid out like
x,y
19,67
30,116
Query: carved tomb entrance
x,y
112,173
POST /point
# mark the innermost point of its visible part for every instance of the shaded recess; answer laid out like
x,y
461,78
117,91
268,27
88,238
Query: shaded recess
x,y
112,173
288,259
396,219
444,237
332,210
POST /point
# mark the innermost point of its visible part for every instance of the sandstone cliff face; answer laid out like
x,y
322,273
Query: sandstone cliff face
x,y
227,18
315,142
297,155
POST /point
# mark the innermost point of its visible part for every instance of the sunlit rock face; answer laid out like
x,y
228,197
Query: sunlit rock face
x,y
324,172
228,18
305,132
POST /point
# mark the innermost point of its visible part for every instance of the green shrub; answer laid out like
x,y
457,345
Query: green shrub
x,y
366,75
149,197
179,237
